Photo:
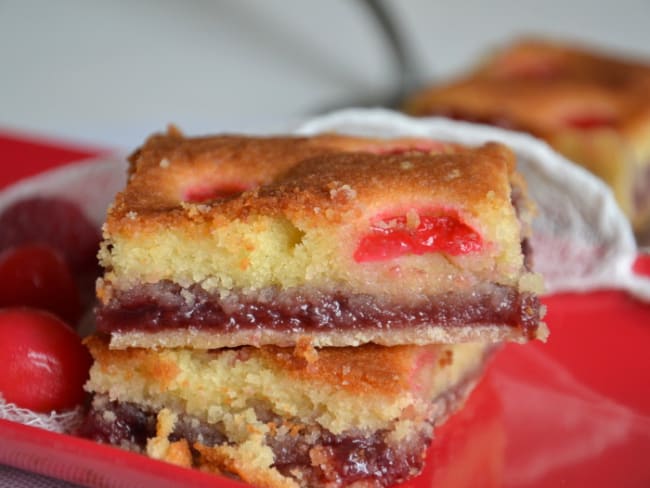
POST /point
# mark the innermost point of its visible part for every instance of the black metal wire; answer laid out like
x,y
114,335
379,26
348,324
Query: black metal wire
x,y
407,70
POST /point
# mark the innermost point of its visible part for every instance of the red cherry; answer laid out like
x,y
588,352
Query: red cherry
x,y
206,193
391,238
589,121
55,222
45,365
529,69
425,146
36,276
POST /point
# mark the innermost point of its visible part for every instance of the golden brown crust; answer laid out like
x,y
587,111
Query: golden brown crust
x,y
340,182
356,369
169,166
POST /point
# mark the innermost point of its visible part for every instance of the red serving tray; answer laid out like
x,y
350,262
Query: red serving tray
x,y
572,412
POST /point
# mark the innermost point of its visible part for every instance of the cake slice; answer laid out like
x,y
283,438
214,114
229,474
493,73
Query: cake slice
x,y
282,417
592,107
229,241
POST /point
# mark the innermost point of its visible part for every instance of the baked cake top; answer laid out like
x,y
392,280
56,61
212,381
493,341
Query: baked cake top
x,y
171,173
305,182
312,210
544,87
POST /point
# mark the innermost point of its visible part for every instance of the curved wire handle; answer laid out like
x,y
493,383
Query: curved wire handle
x,y
407,70
407,74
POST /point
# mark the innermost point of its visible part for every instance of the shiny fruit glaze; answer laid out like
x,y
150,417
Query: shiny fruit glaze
x,y
205,193
392,237
37,276
421,146
44,362
590,121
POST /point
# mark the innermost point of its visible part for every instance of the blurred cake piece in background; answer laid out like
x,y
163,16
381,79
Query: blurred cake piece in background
x,y
592,107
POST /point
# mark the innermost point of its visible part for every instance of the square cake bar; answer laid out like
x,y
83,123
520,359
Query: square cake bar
x,y
229,240
282,417
594,108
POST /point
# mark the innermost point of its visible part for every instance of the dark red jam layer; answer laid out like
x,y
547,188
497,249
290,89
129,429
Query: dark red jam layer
x,y
161,306
343,459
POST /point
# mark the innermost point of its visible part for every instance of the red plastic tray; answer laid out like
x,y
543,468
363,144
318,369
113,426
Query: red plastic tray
x,y
572,412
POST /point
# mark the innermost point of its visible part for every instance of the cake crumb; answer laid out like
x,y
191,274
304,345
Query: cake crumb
x,y
188,297
342,193
412,219
160,447
132,215
305,350
109,416
446,359
164,163
405,165
195,209
174,131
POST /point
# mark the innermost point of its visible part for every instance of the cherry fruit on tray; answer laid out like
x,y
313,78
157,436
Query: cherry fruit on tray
x,y
45,363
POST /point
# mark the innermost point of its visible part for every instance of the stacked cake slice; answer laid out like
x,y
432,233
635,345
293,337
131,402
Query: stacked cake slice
x,y
302,311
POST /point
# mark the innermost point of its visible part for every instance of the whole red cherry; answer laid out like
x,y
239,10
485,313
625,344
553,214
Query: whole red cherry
x,y
53,221
36,276
44,363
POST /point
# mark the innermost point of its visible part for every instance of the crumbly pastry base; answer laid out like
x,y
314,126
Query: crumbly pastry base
x,y
194,338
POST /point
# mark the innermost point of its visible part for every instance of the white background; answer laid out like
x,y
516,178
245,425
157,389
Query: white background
x,y
110,72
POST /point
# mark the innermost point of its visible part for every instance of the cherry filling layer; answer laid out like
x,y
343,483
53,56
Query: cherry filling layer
x,y
164,306
392,237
